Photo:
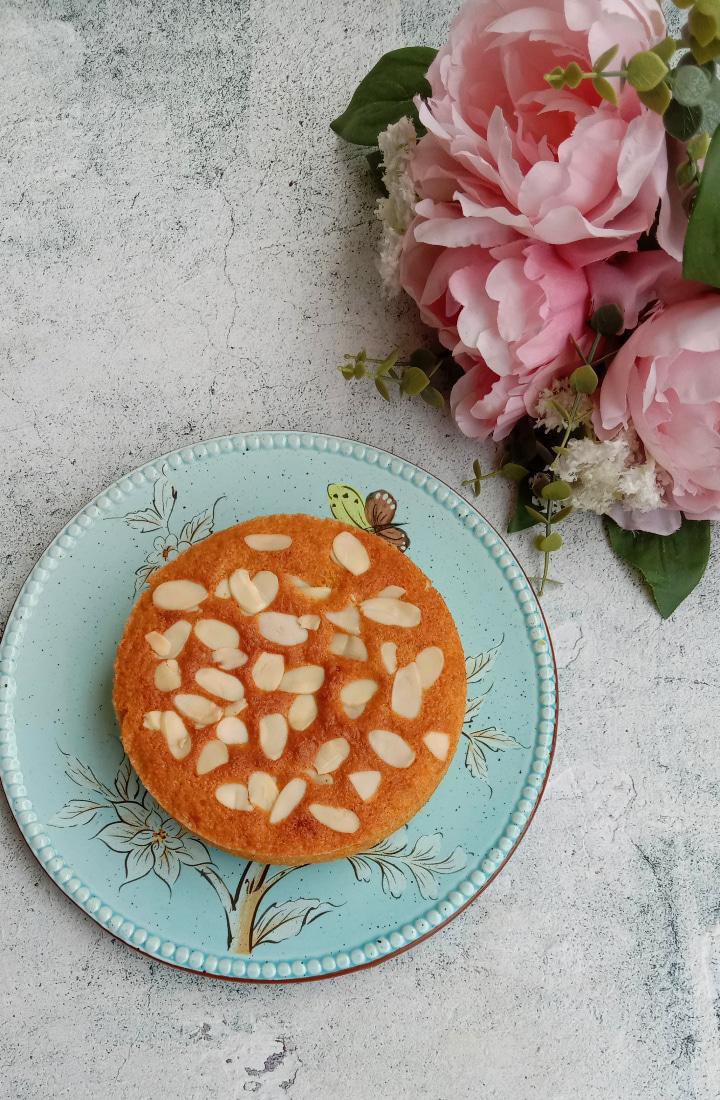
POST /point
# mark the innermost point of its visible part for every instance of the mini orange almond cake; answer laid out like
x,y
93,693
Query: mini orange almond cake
x,y
291,690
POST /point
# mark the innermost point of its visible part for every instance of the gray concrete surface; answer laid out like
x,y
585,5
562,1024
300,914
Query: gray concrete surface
x,y
185,251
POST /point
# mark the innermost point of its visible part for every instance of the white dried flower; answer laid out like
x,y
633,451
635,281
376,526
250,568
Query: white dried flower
x,y
640,488
397,145
558,398
600,475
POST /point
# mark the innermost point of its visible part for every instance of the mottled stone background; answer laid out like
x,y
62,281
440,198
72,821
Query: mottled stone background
x,y
186,251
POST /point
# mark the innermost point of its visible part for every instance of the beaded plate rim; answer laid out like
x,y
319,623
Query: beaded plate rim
x,y
394,942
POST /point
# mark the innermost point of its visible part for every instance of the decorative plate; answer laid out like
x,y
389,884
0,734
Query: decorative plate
x,y
105,842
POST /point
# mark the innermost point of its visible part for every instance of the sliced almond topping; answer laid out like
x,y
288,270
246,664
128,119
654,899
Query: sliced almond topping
x,y
320,780
232,709
176,735
348,619
350,553
222,591
201,711
309,591
171,643
167,676
303,712
438,744
281,629
430,662
331,755
388,656
212,755
392,592
335,817
268,542
365,783
406,698
354,711
289,798
216,634
304,680
232,731
358,692
158,643
391,748
179,595
347,645
262,790
229,658
391,612
273,735
267,672
219,683
152,719
234,796
253,595
310,622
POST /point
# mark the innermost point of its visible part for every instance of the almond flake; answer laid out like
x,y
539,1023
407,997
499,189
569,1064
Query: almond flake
x,y
222,591
232,731
232,709
365,783
391,748
392,592
229,658
391,612
348,619
350,553
303,680
268,542
273,735
320,780
167,676
438,744
216,634
430,663
331,755
289,798
173,640
219,683
388,656
176,735
309,591
310,622
354,711
234,796
253,595
201,711
158,643
281,629
335,817
152,719
406,698
303,712
267,672
179,595
358,692
347,645
212,755
262,790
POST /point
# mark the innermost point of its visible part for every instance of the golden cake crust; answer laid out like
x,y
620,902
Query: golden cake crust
x,y
300,837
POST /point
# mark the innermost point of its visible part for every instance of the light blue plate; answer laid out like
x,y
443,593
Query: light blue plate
x,y
105,842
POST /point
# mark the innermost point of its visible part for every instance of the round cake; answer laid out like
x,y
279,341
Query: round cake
x,y
291,690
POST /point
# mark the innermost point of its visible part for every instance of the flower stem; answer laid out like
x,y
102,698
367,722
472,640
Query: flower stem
x,y
546,562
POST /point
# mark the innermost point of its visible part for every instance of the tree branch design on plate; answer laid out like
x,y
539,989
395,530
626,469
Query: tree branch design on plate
x,y
490,739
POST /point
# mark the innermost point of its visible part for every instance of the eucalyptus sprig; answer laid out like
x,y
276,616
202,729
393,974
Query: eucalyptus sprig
x,y
412,376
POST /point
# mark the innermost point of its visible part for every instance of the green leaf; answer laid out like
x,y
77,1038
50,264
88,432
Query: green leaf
x,y
671,564
573,75
556,77
433,398
705,54
382,389
521,518
682,122
513,471
562,514
584,379
424,359
537,517
711,109
701,255
387,364
686,173
703,27
658,100
414,381
699,145
605,90
385,95
645,70
548,544
691,85
666,49
556,490
608,320
604,59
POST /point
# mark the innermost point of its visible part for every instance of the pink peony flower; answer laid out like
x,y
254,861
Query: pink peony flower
x,y
507,154
665,384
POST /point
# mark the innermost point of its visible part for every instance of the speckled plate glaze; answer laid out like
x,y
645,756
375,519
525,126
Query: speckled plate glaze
x,y
104,841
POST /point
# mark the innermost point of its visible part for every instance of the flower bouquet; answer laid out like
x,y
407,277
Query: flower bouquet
x,y
551,202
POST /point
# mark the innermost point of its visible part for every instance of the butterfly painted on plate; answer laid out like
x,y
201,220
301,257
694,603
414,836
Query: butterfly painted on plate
x,y
375,512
